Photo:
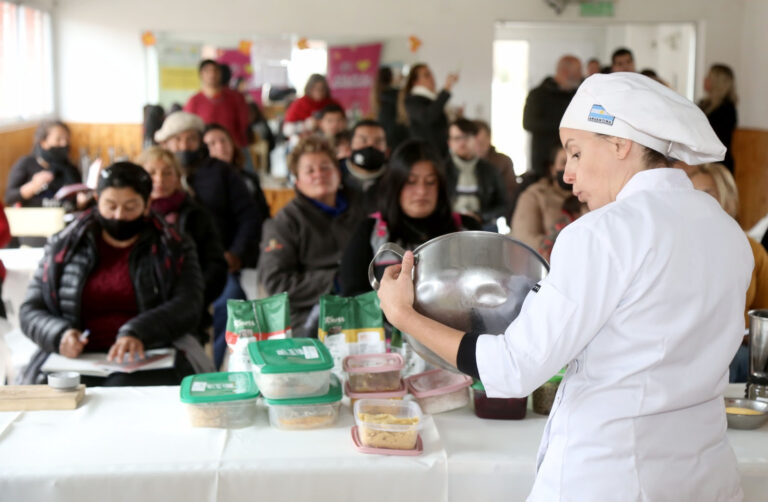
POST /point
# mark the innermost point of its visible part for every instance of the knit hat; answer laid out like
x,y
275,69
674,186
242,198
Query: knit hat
x,y
178,122
635,107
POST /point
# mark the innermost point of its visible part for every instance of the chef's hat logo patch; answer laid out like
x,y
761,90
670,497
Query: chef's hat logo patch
x,y
599,115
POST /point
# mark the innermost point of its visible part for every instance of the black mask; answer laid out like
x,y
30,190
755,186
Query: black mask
x,y
561,181
122,230
54,154
369,158
189,158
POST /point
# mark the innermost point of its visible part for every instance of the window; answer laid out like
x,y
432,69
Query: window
x,y
26,63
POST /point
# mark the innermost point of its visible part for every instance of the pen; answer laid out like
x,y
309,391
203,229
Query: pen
x,y
84,335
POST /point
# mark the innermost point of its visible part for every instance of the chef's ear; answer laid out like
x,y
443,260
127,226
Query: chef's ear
x,y
621,146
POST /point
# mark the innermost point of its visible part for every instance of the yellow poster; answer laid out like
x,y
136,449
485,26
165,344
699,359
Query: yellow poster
x,y
179,78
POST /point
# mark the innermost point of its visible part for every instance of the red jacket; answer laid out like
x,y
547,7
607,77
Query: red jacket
x,y
304,107
5,237
228,108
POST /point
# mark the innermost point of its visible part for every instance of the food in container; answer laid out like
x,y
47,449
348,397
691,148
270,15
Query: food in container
x,y
544,397
745,413
439,390
291,367
306,412
392,394
373,372
497,408
222,400
388,424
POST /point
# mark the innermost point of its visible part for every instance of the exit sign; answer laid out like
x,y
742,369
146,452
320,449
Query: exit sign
x,y
597,9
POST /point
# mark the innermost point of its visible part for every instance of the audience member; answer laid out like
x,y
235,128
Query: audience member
x,y
342,144
299,118
385,109
221,146
425,107
302,245
544,108
720,106
593,66
220,189
366,163
331,120
622,59
217,103
716,180
169,200
413,207
474,185
259,129
35,178
546,207
124,275
486,151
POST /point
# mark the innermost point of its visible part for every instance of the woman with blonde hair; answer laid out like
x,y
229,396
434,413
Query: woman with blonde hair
x,y
720,106
717,181
170,200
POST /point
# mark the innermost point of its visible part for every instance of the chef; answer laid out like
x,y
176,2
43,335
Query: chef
x,y
644,303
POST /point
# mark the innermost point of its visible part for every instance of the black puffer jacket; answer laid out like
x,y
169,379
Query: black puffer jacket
x,y
428,120
166,277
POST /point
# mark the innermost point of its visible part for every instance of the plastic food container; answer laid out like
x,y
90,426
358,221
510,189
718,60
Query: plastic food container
x,y
392,394
291,367
373,372
388,424
497,408
439,390
544,396
222,400
306,412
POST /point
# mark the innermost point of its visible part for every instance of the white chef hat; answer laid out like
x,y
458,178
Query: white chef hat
x,y
635,107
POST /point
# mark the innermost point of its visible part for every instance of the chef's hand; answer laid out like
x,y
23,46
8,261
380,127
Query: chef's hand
x,y
396,290
126,345
70,344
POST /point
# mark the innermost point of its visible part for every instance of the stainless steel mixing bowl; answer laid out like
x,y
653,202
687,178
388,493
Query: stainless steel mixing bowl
x,y
470,281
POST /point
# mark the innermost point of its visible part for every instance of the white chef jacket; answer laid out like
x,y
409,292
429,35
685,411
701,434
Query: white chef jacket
x,y
645,304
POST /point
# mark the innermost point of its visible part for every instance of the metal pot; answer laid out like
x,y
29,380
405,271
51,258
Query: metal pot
x,y
471,281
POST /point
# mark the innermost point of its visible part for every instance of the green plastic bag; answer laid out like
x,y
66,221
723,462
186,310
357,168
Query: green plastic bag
x,y
255,320
351,325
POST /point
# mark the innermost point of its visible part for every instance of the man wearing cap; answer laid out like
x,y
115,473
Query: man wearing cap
x,y
218,187
644,304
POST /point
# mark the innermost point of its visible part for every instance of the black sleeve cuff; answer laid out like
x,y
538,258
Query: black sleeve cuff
x,y
466,361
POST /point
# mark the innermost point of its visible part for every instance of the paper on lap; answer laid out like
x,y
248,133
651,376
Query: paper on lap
x,y
96,364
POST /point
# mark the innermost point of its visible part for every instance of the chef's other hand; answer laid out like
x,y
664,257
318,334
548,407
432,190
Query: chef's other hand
x,y
70,344
126,346
396,290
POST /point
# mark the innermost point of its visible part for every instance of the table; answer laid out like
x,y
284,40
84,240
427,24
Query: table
x,y
131,444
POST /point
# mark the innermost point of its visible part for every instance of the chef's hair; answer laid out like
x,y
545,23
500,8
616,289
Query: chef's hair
x,y
651,157
727,192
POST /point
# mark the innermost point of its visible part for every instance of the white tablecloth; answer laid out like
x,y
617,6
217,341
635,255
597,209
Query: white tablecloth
x,y
134,444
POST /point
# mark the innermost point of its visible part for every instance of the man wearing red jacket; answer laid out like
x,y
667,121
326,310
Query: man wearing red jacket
x,y
217,103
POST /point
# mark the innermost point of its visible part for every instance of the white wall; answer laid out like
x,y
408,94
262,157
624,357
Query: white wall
x,y
100,58
752,80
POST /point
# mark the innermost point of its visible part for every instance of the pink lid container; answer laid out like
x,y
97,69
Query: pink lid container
x,y
436,382
392,394
418,450
373,363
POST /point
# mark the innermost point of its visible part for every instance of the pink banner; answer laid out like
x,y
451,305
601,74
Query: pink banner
x,y
351,74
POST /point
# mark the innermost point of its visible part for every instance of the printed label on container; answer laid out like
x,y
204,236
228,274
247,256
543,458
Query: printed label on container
x,y
198,386
310,352
307,352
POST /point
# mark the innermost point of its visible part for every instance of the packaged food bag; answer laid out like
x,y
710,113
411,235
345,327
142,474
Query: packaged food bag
x,y
351,325
255,320
413,362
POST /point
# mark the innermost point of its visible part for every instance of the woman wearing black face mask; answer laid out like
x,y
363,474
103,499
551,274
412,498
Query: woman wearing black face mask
x,y
546,207
35,178
124,275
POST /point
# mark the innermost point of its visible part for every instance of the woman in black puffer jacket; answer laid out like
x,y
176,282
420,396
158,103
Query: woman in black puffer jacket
x,y
124,275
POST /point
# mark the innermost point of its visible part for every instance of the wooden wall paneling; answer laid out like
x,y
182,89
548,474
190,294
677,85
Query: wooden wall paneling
x,y
750,154
14,144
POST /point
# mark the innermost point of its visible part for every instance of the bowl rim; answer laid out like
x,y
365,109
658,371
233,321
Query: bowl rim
x,y
752,404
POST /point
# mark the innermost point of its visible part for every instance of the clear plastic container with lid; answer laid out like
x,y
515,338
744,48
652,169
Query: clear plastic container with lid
x,y
291,367
373,372
439,390
387,424
222,400
544,397
306,412
497,408
400,393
